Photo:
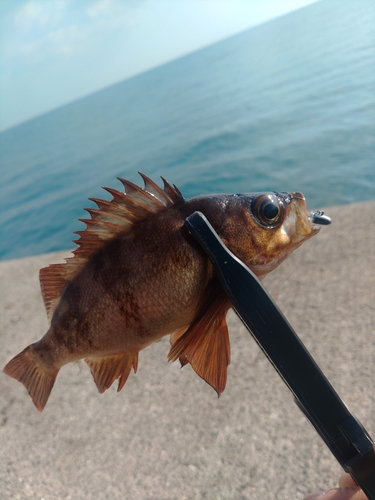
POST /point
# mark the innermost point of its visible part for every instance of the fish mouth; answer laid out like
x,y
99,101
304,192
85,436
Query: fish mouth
x,y
315,218
299,224
306,224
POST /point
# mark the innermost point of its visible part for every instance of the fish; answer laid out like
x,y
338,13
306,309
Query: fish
x,y
137,275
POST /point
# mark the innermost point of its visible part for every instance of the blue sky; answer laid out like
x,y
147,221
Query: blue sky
x,y
55,51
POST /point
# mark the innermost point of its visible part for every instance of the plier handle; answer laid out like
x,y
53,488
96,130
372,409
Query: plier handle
x,y
342,432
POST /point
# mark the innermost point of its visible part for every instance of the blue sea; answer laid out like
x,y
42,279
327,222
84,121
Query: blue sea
x,y
285,106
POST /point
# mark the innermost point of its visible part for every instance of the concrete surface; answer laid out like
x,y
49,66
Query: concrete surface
x,y
166,435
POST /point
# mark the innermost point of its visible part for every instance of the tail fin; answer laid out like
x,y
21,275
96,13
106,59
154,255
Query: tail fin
x,y
33,374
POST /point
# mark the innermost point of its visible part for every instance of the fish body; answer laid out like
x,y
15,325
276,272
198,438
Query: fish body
x,y
138,275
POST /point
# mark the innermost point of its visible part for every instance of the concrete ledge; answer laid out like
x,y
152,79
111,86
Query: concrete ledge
x,y
166,435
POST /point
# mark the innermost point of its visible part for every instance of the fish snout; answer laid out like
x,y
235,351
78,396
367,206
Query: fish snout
x,y
298,224
296,196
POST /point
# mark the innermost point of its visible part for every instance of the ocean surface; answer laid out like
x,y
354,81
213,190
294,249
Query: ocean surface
x,y
286,106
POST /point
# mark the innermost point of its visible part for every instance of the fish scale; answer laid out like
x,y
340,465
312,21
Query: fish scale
x,y
137,275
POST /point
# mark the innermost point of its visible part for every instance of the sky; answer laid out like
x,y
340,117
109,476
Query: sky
x,y
53,52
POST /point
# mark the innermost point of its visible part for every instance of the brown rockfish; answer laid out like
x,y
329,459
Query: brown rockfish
x,y
137,275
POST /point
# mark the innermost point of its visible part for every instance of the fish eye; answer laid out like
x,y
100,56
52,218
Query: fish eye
x,y
267,209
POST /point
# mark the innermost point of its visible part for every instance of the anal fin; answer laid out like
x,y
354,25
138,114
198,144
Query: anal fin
x,y
106,369
205,344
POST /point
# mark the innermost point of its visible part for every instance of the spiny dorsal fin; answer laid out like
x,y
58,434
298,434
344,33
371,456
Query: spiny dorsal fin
x,y
110,219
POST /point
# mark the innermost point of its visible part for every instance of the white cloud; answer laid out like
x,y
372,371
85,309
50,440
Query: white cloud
x,y
115,14
101,8
43,29
37,14
64,41
125,9
55,51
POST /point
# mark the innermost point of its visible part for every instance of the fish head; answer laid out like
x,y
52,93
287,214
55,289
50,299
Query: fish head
x,y
264,229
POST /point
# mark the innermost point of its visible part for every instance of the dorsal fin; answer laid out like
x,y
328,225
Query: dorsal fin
x,y
110,219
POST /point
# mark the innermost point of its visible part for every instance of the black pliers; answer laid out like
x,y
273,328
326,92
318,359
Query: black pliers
x,y
342,432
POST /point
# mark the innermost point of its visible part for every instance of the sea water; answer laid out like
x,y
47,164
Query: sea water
x,y
285,106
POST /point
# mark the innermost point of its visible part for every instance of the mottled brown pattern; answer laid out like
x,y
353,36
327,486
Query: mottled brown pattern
x,y
138,275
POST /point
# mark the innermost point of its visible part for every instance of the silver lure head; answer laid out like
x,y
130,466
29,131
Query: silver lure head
x,y
319,218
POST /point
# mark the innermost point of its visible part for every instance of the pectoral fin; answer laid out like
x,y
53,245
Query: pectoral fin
x,y
205,344
106,369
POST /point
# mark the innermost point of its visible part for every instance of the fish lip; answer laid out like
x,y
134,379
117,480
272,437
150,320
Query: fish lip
x,y
304,220
297,196
314,227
